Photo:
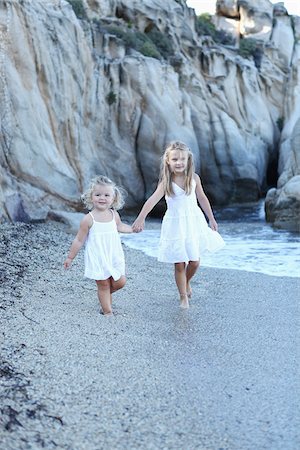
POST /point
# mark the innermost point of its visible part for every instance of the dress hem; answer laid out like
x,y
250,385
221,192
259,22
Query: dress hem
x,y
96,278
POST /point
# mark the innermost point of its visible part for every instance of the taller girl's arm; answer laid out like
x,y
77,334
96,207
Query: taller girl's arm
x,y
79,240
204,203
121,226
139,223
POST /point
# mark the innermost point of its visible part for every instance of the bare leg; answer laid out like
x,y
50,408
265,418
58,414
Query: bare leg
x,y
180,278
116,285
104,295
191,269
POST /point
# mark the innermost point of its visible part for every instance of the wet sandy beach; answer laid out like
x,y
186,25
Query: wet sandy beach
x,y
222,375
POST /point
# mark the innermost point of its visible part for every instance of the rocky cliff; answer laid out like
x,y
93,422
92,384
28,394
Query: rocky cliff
x,y
90,86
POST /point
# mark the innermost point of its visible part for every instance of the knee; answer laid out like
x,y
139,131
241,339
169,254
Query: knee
x,y
103,285
121,282
179,267
194,264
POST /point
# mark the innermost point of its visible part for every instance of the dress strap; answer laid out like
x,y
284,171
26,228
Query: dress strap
x,y
113,214
92,216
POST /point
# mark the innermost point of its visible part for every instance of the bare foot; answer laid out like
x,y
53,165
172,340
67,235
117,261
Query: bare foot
x,y
184,301
108,313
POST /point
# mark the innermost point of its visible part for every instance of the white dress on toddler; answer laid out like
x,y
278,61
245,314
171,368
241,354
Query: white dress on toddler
x,y
104,256
185,234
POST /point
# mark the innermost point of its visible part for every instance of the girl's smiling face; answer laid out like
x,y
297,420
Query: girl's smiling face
x,y
177,161
103,196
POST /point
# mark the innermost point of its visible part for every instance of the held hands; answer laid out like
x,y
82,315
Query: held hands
x,y
138,225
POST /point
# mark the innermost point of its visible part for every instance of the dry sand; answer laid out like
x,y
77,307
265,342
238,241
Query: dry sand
x,y
222,375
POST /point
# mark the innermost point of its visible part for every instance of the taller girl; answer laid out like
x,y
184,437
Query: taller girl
x,y
184,232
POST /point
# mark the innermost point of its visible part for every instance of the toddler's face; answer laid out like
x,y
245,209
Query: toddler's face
x,y
103,196
177,161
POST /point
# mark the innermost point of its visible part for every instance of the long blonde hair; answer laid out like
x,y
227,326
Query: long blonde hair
x,y
165,173
119,193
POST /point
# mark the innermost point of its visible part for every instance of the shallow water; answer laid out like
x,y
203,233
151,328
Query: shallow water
x,y
251,243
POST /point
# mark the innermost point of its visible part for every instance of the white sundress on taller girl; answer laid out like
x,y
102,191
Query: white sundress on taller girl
x,y
104,256
185,234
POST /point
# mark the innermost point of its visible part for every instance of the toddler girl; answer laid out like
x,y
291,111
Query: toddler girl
x,y
184,232
104,257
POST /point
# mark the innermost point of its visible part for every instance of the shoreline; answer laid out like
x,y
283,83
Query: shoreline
x,y
73,378
259,251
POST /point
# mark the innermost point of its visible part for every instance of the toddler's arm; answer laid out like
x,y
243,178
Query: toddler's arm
x,y
204,203
139,223
121,226
79,240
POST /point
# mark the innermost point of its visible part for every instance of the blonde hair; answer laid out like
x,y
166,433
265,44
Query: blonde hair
x,y
165,173
119,193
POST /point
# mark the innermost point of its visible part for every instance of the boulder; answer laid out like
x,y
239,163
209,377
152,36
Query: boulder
x,y
227,8
256,19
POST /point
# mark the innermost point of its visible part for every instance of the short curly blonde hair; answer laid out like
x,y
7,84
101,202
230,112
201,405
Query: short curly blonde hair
x,y
119,197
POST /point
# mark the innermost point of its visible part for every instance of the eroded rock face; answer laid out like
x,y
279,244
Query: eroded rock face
x,y
283,203
256,18
279,9
76,101
227,8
